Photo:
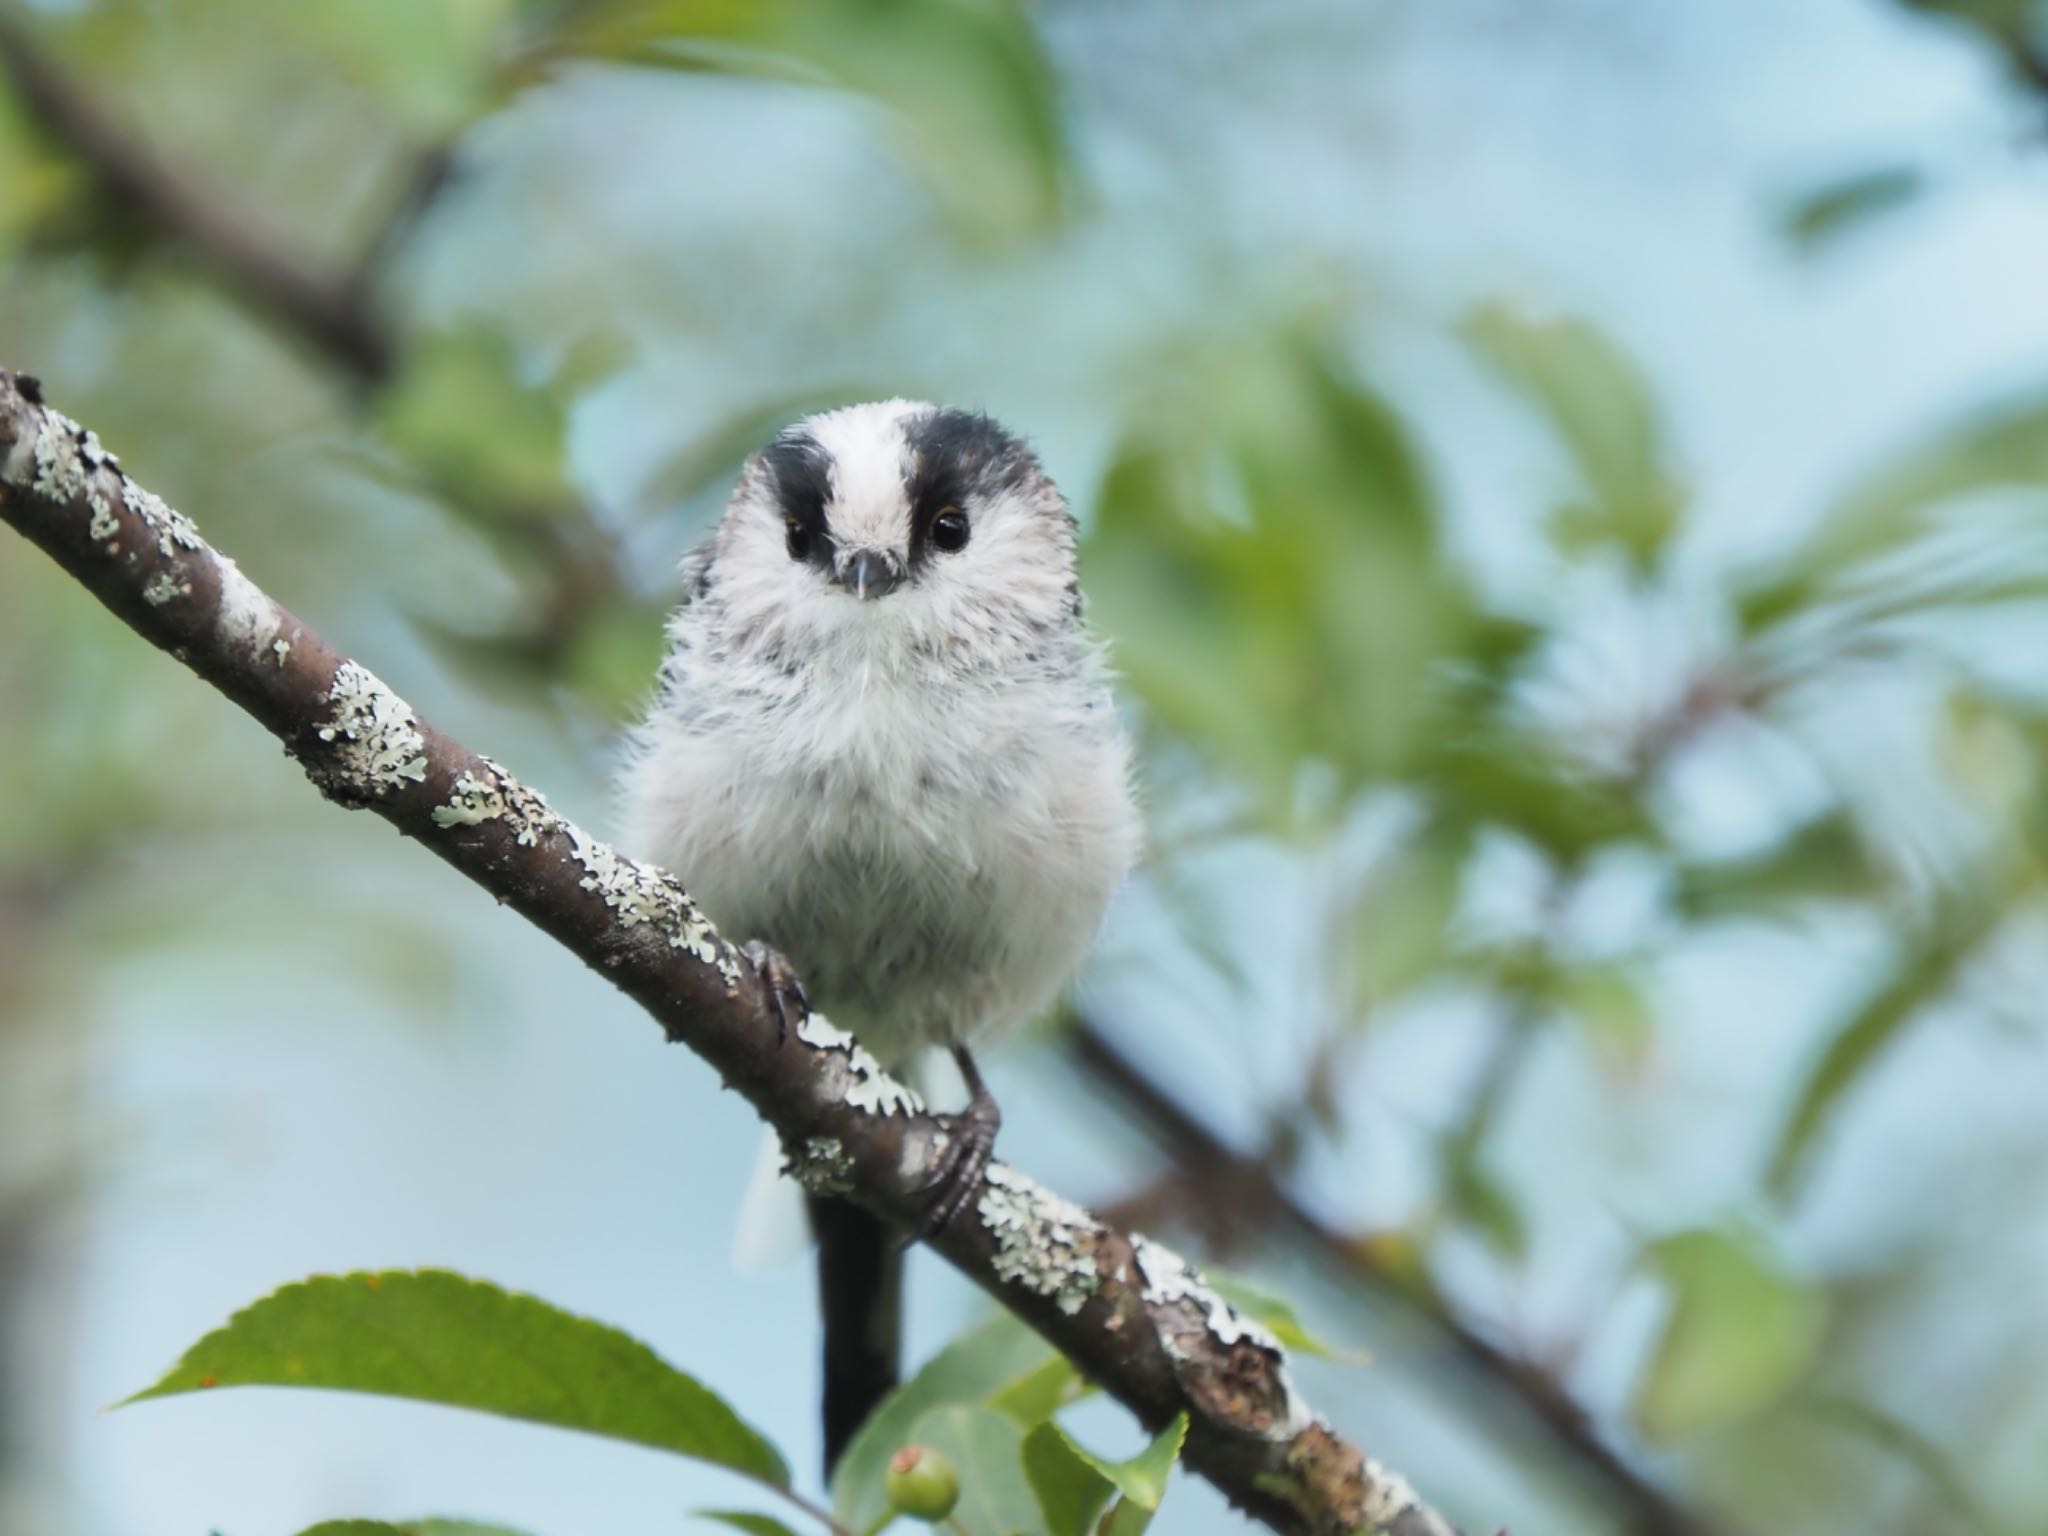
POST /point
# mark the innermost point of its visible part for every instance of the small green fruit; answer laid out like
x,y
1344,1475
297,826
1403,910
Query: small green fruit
x,y
922,1484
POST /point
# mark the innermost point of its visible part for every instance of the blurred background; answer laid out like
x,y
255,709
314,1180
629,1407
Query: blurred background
x,y
1563,480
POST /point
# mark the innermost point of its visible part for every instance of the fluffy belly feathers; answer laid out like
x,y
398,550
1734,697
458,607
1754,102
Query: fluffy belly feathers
x,y
925,899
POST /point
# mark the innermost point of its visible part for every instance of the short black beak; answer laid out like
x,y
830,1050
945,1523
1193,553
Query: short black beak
x,y
870,573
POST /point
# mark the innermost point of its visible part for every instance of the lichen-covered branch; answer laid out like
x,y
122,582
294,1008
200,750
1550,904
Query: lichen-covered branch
x,y
1132,1316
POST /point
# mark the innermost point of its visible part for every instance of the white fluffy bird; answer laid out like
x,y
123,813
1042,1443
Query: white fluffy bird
x,y
885,747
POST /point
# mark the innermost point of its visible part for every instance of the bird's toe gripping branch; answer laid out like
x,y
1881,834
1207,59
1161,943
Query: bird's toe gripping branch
x,y
786,995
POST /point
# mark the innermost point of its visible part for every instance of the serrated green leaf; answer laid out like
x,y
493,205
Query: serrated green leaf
x,y
743,1520
1601,410
437,1337
1741,1332
988,1363
988,1450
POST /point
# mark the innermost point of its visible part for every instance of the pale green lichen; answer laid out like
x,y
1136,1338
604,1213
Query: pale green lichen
x,y
822,1165
644,896
173,529
474,802
104,524
376,740
59,461
281,649
497,796
161,588
870,1087
1043,1242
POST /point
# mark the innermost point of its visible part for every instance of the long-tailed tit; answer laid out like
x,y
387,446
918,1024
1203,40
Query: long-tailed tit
x,y
885,748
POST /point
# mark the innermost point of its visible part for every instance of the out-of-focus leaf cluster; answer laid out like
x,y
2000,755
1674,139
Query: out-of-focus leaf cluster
x,y
1296,610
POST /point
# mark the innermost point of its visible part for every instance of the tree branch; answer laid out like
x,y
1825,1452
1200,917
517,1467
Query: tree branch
x,y
1131,1315
1262,1201
331,309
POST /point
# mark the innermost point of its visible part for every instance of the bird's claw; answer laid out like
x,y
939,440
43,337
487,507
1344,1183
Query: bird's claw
x,y
970,1143
785,988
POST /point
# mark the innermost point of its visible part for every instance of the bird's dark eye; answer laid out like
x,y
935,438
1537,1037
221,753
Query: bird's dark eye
x,y
949,530
798,538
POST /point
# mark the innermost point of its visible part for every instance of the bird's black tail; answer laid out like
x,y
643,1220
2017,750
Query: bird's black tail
x,y
860,1297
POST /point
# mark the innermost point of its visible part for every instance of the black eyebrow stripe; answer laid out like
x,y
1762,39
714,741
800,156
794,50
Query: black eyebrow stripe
x,y
956,456
799,469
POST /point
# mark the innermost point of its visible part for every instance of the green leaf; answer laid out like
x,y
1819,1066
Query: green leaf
x,y
1488,776
406,1528
1900,1442
1033,1398
1601,410
1607,1001
1826,859
1741,1332
1125,1518
1071,1483
1069,1490
462,414
1917,978
744,1520
1402,919
427,64
1265,553
438,1337
1825,214
1000,1361
1480,1198
988,1450
967,84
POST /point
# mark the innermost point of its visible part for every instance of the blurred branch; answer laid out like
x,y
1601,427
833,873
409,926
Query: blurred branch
x,y
1130,1315
330,308
1258,1200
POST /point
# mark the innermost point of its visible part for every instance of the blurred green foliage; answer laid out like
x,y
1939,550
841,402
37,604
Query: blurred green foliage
x,y
1271,545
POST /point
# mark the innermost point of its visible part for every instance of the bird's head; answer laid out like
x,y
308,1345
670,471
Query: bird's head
x,y
897,523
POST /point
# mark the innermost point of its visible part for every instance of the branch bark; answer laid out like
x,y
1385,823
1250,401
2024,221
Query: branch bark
x,y
1131,1315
